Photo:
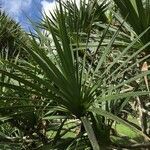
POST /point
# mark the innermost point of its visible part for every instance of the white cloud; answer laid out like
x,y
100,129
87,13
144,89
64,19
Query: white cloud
x,y
48,7
15,7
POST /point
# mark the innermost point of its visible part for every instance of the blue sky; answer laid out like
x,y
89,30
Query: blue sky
x,y
19,10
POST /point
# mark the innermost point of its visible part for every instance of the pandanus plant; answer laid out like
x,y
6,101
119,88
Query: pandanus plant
x,y
10,32
137,14
64,82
